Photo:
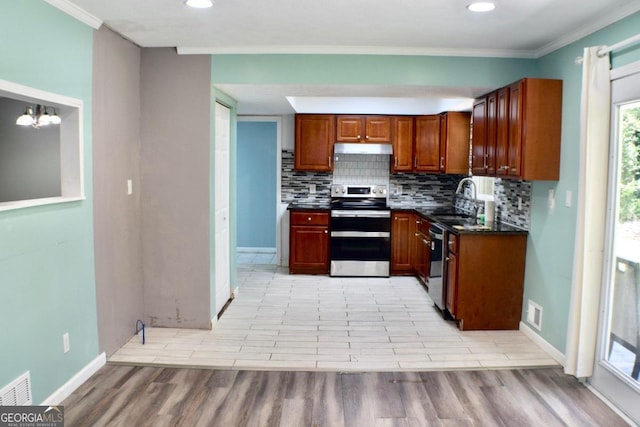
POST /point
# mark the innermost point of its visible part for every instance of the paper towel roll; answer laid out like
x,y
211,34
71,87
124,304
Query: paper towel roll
x,y
489,211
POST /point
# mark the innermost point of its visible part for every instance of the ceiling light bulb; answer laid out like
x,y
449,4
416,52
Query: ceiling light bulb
x,y
55,119
481,6
199,4
27,118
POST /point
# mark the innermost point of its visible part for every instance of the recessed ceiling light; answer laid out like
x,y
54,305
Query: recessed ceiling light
x,y
200,4
481,6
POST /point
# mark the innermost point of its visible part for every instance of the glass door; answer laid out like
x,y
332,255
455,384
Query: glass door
x,y
617,371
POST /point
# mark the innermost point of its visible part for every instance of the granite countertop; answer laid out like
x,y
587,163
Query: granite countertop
x,y
308,206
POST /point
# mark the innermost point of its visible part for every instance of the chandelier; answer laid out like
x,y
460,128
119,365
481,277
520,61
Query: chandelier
x,y
39,116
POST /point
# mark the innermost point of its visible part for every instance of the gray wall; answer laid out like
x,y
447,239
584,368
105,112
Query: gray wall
x,y
176,109
116,158
29,157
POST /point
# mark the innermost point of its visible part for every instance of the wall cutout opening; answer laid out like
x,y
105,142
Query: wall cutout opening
x,y
39,164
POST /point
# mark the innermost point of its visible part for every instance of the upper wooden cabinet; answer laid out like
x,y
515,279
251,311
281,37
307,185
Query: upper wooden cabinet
x,y
375,129
315,134
402,140
426,157
455,140
517,131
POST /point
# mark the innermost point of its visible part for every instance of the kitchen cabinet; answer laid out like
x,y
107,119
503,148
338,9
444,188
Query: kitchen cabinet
x,y
355,129
427,144
535,117
422,250
517,131
484,279
314,138
490,133
402,140
455,142
403,226
309,242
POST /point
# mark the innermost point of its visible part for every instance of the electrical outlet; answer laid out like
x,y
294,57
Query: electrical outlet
x,y
65,342
519,203
568,199
312,189
398,189
129,187
552,198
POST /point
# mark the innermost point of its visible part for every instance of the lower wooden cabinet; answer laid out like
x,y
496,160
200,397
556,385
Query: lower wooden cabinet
x,y
484,279
309,242
403,226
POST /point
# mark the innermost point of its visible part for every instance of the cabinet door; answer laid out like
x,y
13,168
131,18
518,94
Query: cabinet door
x,y
455,129
402,144
514,151
492,132
309,249
479,140
502,133
377,129
427,146
349,129
452,283
402,242
314,142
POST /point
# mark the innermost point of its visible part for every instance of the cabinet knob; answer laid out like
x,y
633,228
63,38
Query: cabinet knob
x,y
309,219
366,137
358,137
396,161
326,231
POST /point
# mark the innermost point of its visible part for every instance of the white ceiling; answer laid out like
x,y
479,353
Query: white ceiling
x,y
516,28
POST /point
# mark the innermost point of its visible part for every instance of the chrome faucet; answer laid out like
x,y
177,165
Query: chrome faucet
x,y
475,192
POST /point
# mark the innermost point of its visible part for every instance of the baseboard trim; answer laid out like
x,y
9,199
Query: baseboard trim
x,y
242,249
76,381
551,350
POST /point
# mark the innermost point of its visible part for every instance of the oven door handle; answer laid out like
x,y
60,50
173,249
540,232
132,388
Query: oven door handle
x,y
366,234
360,214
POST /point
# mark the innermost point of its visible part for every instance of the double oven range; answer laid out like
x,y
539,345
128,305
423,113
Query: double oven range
x,y
360,223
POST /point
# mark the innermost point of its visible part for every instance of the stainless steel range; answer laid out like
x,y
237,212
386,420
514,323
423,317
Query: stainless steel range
x,y
360,231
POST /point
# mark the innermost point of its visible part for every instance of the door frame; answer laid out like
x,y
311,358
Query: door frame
x,y
621,390
278,122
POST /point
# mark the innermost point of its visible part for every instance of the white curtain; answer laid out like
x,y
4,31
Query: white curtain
x,y
592,202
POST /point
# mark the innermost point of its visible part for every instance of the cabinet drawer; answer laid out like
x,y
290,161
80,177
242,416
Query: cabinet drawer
x,y
453,243
309,218
424,226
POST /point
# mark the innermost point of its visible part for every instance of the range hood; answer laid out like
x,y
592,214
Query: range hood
x,y
365,148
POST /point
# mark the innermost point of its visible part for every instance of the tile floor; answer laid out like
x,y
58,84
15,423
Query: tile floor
x,y
260,258
298,322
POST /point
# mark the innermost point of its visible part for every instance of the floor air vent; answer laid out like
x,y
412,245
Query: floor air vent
x,y
534,315
18,392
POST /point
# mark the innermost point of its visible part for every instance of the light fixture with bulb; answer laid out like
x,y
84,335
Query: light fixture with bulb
x,y
481,6
199,4
39,116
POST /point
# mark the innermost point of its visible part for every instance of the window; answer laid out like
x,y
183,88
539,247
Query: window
x,y
485,187
39,165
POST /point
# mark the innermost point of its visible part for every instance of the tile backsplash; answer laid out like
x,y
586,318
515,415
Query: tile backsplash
x,y
417,190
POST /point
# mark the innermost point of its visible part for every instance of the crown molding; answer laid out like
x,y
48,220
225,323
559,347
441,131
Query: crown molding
x,y
76,12
606,20
353,50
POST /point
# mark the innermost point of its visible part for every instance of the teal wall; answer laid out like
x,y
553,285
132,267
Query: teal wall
x,y
370,70
551,243
257,182
47,284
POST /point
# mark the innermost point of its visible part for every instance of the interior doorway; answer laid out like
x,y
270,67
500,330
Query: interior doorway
x,y
258,189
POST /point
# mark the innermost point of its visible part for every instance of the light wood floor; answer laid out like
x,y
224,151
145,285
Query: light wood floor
x,y
297,322
154,396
